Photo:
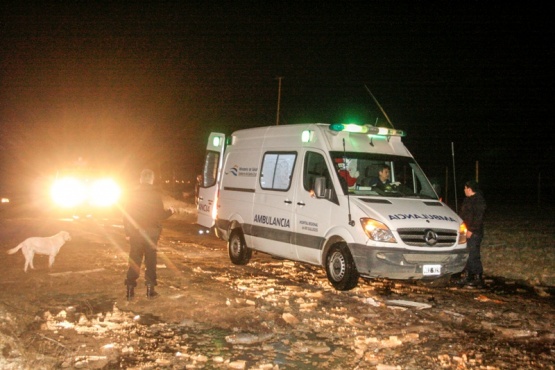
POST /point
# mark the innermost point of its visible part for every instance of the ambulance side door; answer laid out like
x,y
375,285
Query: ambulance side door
x,y
210,181
314,216
272,227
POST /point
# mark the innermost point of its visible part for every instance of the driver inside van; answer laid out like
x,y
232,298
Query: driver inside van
x,y
383,179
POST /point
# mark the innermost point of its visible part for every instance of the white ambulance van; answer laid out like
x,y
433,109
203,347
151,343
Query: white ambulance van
x,y
312,193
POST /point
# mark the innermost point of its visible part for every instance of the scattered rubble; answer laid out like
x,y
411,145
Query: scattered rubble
x,y
268,315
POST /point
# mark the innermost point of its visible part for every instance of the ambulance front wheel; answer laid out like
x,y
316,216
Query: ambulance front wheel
x,y
340,268
239,253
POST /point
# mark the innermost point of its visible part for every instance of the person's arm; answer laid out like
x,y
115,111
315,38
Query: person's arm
x,y
479,213
163,213
126,222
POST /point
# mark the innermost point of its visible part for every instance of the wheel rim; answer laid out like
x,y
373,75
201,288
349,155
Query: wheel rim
x,y
235,247
337,266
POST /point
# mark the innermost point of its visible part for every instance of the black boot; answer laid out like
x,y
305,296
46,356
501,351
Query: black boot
x,y
151,293
460,280
130,292
476,280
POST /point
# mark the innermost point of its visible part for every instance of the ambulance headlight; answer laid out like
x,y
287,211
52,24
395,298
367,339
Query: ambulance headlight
x,y
377,231
462,233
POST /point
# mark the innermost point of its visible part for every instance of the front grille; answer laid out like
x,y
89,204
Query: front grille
x,y
416,237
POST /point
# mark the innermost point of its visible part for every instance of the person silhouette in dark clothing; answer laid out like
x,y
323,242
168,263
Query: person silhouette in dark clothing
x,y
472,212
143,214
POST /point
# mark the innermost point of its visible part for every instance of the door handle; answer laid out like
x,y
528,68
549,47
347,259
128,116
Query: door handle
x,y
302,204
287,201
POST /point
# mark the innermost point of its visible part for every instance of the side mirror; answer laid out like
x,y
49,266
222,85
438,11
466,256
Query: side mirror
x,y
320,187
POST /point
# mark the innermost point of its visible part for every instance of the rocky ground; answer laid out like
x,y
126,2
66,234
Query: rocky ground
x,y
270,314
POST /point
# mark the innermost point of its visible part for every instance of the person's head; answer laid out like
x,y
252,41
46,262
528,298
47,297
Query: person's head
x,y
470,188
147,176
384,173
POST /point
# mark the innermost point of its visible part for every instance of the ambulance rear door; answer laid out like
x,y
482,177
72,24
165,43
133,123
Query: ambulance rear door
x,y
210,182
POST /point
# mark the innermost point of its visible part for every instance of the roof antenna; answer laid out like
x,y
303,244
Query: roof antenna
x,y
351,221
379,106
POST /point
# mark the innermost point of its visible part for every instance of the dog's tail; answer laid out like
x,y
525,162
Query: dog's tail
x,y
13,250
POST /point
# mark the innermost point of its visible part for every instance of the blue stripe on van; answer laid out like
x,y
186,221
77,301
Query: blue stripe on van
x,y
303,240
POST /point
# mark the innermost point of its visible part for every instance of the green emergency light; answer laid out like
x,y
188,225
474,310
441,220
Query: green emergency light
x,y
365,129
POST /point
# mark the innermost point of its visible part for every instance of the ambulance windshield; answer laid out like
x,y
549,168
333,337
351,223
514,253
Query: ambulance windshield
x,y
381,175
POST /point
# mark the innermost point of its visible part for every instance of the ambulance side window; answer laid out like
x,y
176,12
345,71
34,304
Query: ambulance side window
x,y
277,170
314,166
210,170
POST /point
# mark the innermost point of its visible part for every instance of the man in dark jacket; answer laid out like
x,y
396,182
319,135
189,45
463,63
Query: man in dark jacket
x,y
472,213
143,213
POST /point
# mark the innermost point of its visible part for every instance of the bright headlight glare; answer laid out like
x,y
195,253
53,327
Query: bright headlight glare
x,y
377,231
68,192
104,193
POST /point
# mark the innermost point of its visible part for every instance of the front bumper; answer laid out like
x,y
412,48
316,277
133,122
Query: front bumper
x,y
405,264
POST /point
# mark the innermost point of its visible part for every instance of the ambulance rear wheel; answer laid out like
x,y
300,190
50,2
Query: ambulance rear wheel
x,y
239,253
340,268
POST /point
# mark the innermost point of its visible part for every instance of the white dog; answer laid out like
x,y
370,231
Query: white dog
x,y
49,246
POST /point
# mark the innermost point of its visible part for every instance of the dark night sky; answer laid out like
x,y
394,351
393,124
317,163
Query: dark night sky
x,y
139,84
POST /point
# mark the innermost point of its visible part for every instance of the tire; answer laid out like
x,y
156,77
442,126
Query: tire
x,y
340,267
239,253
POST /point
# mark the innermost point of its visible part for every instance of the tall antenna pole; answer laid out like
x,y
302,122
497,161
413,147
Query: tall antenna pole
x,y
279,100
379,106
454,177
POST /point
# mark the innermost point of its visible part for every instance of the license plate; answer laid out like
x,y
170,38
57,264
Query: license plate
x,y
428,270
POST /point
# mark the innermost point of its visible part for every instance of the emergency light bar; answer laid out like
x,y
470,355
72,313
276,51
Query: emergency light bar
x,y
365,129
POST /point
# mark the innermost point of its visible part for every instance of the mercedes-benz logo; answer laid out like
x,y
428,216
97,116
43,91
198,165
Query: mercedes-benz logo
x,y
430,237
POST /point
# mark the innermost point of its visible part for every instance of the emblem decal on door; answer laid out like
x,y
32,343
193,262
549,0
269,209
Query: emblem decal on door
x,y
309,225
243,171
